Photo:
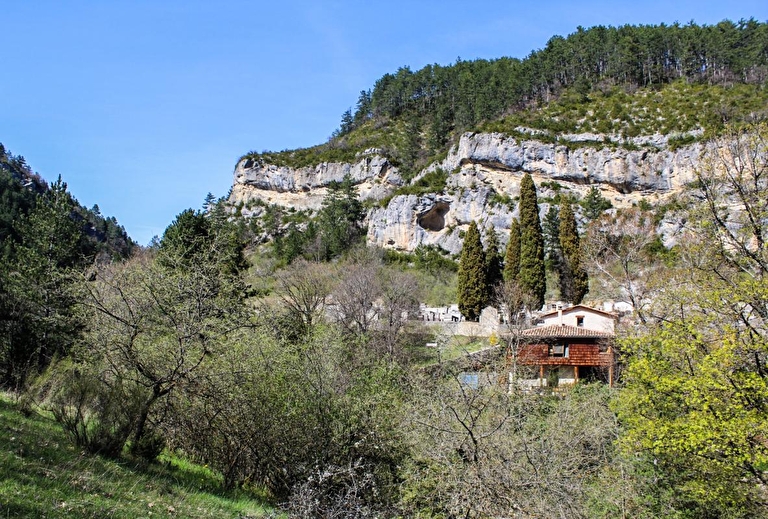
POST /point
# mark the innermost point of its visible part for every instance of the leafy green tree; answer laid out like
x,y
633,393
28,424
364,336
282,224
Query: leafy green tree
x,y
532,269
512,253
432,259
472,287
595,204
347,123
493,259
696,385
187,236
194,236
574,280
151,326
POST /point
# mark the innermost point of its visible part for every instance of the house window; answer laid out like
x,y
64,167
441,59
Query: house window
x,y
558,350
580,320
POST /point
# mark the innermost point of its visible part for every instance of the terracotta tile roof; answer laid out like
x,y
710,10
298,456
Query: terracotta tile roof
x,y
564,331
578,308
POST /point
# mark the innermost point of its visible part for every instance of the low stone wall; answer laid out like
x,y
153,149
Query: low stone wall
x,y
466,328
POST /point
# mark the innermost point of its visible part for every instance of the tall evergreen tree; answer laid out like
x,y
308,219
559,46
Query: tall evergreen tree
x,y
40,320
532,270
493,259
551,230
512,255
574,281
472,284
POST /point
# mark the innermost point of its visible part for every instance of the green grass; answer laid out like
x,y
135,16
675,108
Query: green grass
x,y
42,475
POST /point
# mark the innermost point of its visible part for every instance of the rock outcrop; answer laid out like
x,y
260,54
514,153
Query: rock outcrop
x,y
626,171
304,188
485,173
435,219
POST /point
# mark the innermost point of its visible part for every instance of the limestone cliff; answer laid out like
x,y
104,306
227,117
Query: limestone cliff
x,y
304,188
485,172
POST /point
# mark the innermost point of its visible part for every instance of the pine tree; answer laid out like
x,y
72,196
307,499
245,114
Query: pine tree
x,y
532,271
551,231
574,282
594,204
493,260
340,218
43,317
512,255
472,289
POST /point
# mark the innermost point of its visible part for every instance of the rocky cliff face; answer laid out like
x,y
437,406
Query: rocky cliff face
x,y
304,188
486,169
625,171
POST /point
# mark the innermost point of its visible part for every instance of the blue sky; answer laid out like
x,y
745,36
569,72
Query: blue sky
x,y
143,107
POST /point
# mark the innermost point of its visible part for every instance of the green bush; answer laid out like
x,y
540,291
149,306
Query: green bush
x,y
149,446
97,412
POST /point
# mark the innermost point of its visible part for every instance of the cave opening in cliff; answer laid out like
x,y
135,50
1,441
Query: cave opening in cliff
x,y
434,219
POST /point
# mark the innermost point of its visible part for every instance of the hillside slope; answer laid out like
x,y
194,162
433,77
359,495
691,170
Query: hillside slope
x,y
43,475
582,112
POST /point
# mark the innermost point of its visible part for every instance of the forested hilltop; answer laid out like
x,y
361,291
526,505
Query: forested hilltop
x,y
412,116
265,352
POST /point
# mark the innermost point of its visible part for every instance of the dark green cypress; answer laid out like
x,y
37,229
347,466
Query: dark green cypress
x,y
471,286
574,281
532,271
493,261
512,255
553,255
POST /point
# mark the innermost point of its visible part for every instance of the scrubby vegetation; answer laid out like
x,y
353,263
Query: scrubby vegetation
x,y
685,112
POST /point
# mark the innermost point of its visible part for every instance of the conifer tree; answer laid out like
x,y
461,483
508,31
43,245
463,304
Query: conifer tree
x,y
493,260
340,219
472,287
594,204
553,254
574,282
532,270
512,255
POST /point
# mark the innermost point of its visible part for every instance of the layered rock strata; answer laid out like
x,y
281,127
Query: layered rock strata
x,y
483,184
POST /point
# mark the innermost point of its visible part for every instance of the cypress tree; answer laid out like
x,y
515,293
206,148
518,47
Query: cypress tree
x,y
532,271
553,254
574,282
493,261
472,286
512,255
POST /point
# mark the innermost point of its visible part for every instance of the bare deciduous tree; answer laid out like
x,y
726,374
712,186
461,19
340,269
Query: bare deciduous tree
x,y
400,297
304,288
616,252
356,296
